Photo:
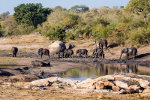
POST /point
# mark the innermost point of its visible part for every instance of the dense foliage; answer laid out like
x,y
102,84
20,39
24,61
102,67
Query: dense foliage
x,y
31,14
129,25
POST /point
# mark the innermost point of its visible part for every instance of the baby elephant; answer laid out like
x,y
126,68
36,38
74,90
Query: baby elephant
x,y
68,53
98,52
14,51
82,52
129,52
43,51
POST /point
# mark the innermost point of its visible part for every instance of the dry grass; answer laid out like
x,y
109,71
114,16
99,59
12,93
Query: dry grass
x,y
12,61
24,40
8,61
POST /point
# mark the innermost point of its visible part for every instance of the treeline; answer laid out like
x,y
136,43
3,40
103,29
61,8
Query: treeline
x,y
124,25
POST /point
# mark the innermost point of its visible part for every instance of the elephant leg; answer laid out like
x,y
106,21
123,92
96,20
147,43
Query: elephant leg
x,y
48,56
127,56
120,56
41,56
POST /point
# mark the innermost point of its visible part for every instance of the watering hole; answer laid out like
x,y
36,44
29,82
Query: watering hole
x,y
97,70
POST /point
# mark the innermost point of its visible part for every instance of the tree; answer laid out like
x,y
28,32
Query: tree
x,y
58,8
140,7
31,14
4,15
81,8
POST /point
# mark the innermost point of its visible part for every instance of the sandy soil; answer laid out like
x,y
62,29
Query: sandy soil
x,y
28,45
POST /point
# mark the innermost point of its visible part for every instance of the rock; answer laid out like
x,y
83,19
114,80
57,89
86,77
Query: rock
x,y
56,47
146,90
143,83
87,84
38,88
115,88
108,83
107,77
121,77
134,87
131,91
38,63
5,73
99,85
121,84
41,82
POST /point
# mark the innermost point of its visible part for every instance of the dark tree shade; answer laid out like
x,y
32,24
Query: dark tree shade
x,y
31,14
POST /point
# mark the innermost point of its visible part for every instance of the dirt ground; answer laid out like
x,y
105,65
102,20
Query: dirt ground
x,y
28,45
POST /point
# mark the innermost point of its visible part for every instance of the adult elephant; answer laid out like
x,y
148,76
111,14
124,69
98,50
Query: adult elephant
x,y
82,53
98,52
43,51
14,51
129,52
103,43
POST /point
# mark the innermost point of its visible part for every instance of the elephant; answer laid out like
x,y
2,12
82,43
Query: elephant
x,y
71,46
60,54
68,53
43,51
82,52
103,43
129,52
98,52
14,51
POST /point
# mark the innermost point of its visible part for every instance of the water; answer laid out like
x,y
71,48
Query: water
x,y
104,69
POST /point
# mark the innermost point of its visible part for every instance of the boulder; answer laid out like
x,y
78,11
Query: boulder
x,y
134,87
108,83
121,77
143,83
131,91
98,85
87,84
38,63
146,90
57,46
115,88
5,73
41,82
121,84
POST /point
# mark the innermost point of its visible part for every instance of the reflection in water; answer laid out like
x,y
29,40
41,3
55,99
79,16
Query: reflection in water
x,y
131,69
104,69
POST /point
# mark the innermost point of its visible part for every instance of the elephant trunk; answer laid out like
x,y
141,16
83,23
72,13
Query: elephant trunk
x,y
120,56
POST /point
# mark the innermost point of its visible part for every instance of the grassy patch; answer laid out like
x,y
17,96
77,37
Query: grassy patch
x,y
4,51
8,61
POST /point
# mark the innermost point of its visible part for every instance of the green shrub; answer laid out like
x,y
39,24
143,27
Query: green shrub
x,y
55,33
23,29
120,33
140,36
102,32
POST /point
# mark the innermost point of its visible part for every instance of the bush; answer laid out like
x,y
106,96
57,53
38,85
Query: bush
x,y
102,32
140,36
23,29
56,33
120,33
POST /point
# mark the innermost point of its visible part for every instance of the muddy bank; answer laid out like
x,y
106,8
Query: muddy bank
x,y
104,61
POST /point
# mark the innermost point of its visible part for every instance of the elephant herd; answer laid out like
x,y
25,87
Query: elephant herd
x,y
69,53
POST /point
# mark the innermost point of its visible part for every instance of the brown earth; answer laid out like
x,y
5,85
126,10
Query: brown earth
x,y
28,45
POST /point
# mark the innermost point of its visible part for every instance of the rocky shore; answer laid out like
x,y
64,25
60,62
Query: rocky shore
x,y
122,84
